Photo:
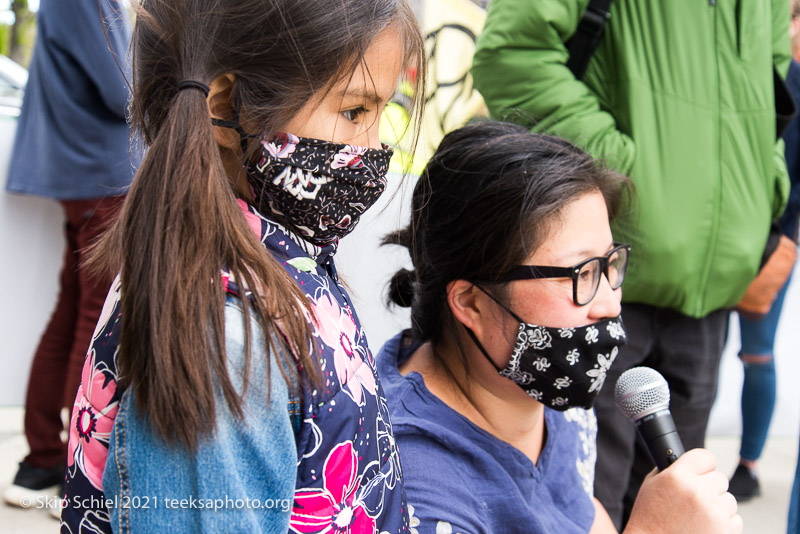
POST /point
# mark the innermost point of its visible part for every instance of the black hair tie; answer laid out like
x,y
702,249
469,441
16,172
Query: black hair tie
x,y
191,84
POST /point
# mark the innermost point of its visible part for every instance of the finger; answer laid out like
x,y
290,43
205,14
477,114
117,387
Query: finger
x,y
736,524
728,505
699,461
651,474
716,482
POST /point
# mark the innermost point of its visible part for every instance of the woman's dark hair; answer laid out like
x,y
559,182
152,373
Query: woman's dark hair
x,y
180,224
484,204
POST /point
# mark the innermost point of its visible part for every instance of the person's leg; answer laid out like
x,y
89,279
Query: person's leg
x,y
687,354
758,395
758,403
616,435
44,396
98,215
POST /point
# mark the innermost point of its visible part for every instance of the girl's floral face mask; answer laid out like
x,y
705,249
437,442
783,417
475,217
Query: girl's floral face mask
x,y
318,188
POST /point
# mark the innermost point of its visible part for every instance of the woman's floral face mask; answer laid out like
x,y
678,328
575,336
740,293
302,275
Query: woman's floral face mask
x,y
319,188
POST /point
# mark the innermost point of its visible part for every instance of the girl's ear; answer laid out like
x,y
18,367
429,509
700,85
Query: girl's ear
x,y
220,106
469,305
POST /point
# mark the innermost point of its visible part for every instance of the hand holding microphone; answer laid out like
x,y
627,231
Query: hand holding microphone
x,y
689,497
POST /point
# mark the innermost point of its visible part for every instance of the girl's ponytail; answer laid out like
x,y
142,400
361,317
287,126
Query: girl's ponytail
x,y
179,226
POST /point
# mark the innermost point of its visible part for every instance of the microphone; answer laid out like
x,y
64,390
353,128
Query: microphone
x,y
642,394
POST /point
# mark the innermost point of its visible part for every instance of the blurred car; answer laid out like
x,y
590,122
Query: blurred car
x,y
13,78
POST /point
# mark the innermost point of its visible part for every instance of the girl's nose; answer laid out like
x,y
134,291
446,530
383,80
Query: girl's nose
x,y
372,138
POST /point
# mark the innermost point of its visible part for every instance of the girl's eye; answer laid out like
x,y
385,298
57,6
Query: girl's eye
x,y
353,114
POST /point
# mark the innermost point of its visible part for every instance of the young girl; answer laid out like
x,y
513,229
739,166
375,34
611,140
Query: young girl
x,y
515,299
229,386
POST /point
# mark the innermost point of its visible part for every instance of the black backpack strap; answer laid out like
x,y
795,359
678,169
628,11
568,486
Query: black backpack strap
x,y
582,45
785,106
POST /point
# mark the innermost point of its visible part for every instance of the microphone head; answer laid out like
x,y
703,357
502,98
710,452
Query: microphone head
x,y
641,391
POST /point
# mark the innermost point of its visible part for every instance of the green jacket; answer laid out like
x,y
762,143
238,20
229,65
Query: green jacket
x,y
679,97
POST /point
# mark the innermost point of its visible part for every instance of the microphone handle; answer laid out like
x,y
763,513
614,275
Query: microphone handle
x,y
662,440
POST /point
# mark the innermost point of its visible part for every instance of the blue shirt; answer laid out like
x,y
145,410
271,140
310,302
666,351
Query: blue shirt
x,y
72,139
461,479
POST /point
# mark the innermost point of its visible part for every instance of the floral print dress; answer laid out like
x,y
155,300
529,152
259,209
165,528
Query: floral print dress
x,y
348,473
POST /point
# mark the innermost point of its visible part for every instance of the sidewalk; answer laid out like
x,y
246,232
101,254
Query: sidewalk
x,y
766,515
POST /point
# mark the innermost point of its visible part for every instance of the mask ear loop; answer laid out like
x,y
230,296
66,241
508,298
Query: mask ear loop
x,y
235,125
514,315
480,347
475,338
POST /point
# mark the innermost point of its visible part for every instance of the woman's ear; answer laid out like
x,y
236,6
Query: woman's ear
x,y
220,106
468,304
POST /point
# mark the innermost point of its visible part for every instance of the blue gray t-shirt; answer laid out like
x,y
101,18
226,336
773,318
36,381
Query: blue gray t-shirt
x,y
461,479
72,139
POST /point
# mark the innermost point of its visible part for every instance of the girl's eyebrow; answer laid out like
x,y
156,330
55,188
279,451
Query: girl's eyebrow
x,y
367,95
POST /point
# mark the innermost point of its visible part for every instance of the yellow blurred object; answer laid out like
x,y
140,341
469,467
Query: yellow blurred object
x,y
451,28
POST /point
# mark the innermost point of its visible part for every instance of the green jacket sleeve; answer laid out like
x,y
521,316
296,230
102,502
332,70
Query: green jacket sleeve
x,y
520,69
781,56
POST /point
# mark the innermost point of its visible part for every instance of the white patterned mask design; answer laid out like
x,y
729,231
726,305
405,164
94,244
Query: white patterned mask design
x,y
562,367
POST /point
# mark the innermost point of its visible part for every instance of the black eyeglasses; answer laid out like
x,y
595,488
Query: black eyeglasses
x,y
585,275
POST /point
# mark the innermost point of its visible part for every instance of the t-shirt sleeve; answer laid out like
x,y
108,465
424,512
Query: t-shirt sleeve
x,y
441,500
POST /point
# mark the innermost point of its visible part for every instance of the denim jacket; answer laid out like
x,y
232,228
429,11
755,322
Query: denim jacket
x,y
240,480
342,460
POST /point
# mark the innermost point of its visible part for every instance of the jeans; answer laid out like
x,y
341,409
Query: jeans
x,y
758,390
56,368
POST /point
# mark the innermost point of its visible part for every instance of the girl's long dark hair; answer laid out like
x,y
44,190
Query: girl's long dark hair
x,y
483,204
180,223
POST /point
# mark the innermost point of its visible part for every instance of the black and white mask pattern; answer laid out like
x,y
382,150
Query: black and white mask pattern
x,y
320,188
564,367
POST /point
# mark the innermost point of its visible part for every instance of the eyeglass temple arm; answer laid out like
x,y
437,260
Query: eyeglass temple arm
x,y
533,272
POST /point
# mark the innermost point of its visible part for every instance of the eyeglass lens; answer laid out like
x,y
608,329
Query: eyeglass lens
x,y
589,276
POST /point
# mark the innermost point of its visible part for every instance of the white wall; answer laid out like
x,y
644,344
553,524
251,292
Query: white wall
x,y
31,250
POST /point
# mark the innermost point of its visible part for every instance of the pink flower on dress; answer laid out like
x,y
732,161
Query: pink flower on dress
x,y
335,508
226,280
338,330
253,221
92,420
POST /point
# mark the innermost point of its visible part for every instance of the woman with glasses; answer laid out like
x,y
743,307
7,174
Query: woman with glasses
x,y
515,312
